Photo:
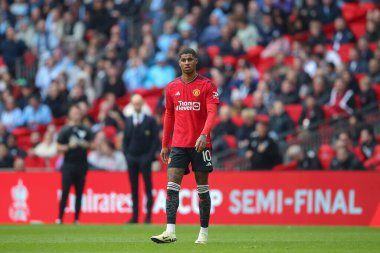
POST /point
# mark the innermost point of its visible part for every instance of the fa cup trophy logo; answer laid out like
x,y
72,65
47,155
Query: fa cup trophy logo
x,y
19,210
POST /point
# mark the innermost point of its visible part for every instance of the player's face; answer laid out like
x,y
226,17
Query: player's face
x,y
188,63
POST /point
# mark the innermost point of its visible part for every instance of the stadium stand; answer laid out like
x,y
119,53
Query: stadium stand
x,y
82,51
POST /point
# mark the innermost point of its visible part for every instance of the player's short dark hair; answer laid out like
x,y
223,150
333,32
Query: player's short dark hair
x,y
187,51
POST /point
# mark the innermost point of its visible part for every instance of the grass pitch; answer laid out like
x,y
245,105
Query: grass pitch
x,y
136,238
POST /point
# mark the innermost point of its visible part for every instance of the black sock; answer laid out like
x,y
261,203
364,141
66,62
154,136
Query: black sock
x,y
204,205
172,202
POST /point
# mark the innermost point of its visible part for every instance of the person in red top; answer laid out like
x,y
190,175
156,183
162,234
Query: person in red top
x,y
191,105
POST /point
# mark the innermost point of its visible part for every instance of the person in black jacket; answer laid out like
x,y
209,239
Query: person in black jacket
x,y
305,160
248,127
74,140
345,160
367,141
368,99
140,143
262,150
312,113
280,122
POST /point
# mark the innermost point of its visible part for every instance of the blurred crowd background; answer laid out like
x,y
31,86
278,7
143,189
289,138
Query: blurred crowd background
x,y
299,80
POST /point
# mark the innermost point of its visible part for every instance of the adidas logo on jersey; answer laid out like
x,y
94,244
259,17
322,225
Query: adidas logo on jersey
x,y
209,164
177,94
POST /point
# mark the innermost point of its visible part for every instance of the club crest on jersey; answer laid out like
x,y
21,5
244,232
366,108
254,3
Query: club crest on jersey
x,y
196,92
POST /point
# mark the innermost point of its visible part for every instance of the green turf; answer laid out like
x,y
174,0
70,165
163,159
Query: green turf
x,y
239,239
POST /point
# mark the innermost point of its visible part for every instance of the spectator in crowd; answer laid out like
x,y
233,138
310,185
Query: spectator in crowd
x,y
311,114
44,42
19,165
328,11
245,130
134,74
12,49
316,34
258,103
356,64
288,94
56,101
48,147
268,96
367,95
280,122
4,134
342,33
354,121
212,33
309,12
45,75
263,151
247,33
73,30
374,71
342,101
365,53
26,91
267,31
367,142
139,146
113,83
11,117
13,149
254,15
345,160
344,138
6,160
100,20
225,126
106,157
304,160
160,74
372,33
36,113
165,40
77,95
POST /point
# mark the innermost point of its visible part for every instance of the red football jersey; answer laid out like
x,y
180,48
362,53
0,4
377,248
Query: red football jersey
x,y
189,102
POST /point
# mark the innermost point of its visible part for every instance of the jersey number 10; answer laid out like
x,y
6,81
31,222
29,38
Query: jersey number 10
x,y
206,155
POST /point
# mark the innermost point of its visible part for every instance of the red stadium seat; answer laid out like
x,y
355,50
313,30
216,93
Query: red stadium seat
x,y
294,112
230,60
34,162
325,154
59,121
248,100
213,51
376,88
21,131
253,54
358,28
352,11
238,120
372,46
359,154
24,142
286,167
344,51
109,131
230,140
